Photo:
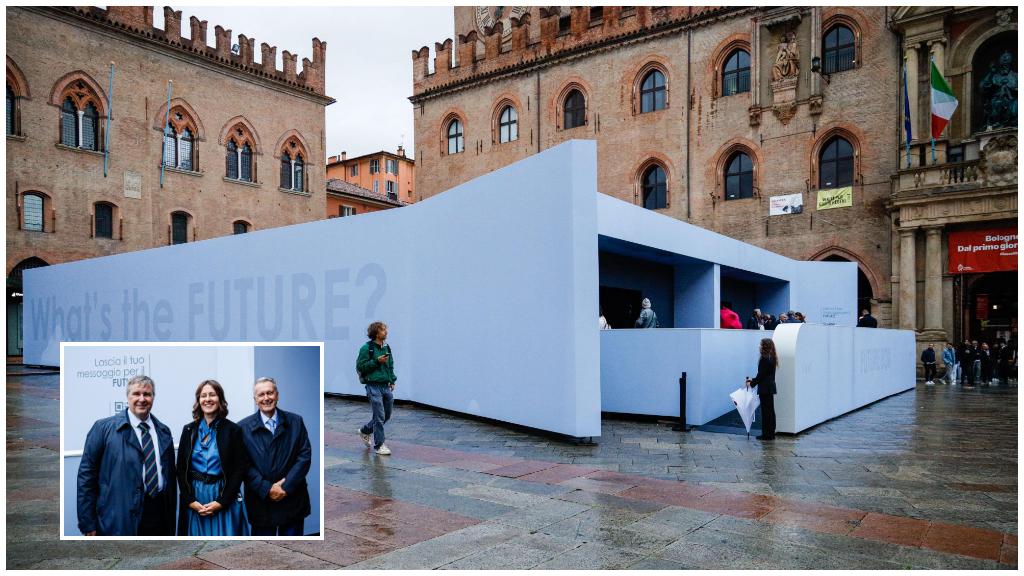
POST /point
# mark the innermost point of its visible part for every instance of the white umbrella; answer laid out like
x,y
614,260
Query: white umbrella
x,y
746,402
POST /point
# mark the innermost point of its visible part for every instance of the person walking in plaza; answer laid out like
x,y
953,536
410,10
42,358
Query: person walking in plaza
x,y
985,359
126,477
647,319
376,367
212,464
1006,356
280,455
928,359
967,356
866,320
949,361
976,370
765,382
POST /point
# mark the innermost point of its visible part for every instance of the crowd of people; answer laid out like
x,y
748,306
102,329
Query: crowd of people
x,y
129,480
762,321
971,363
729,319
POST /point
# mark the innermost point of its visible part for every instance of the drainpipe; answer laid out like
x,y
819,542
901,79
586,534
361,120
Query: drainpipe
x,y
538,110
689,34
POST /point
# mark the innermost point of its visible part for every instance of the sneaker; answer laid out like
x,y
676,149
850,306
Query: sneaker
x,y
367,438
383,450
929,383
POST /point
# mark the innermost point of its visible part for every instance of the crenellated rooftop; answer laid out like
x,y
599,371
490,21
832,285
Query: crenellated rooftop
x,y
138,20
616,24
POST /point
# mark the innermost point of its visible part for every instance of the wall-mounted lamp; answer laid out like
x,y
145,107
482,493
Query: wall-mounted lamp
x,y
816,67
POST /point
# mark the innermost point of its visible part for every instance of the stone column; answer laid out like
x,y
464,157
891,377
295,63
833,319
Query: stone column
x,y
910,60
933,279
908,279
938,53
937,49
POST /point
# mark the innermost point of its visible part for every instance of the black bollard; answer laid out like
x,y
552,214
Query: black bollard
x,y
682,427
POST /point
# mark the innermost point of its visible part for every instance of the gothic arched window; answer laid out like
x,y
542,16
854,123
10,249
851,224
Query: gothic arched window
x,y
739,177
574,110
736,73
456,143
839,49
508,125
835,169
653,92
655,188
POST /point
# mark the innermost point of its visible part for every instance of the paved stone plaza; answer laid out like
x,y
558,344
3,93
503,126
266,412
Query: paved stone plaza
x,y
924,479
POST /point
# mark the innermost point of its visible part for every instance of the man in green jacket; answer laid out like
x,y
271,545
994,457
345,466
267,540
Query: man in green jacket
x,y
376,368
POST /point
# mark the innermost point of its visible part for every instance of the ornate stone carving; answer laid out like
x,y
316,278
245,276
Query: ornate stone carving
x,y
999,160
785,77
1004,17
787,58
754,114
814,104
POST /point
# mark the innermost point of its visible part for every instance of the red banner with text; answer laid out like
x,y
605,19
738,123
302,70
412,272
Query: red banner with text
x,y
973,251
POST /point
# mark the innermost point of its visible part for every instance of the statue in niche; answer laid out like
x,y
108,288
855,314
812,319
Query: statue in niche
x,y
787,58
999,90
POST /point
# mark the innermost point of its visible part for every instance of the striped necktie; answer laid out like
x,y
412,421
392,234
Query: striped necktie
x,y
272,424
148,460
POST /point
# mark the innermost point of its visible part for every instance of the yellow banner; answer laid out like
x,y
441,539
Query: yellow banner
x,y
835,198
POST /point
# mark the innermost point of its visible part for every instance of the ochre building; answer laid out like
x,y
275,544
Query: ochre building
x,y
775,126
955,212
390,175
242,141
348,199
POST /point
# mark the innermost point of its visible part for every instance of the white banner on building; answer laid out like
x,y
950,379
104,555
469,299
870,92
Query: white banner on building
x,y
789,204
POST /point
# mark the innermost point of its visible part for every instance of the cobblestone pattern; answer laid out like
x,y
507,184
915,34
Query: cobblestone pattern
x,y
925,479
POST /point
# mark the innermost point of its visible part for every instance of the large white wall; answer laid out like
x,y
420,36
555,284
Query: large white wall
x,y
489,290
827,371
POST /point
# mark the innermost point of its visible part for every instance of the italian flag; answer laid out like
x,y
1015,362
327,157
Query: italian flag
x,y
943,102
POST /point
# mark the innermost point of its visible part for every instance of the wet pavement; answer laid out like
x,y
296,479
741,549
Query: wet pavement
x,y
924,479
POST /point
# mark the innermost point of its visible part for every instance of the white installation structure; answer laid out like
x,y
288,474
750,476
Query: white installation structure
x,y
491,294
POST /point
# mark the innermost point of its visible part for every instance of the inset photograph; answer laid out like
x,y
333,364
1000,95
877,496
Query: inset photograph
x,y
191,440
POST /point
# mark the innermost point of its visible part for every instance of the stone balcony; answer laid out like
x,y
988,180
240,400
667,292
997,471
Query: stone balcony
x,y
983,187
953,176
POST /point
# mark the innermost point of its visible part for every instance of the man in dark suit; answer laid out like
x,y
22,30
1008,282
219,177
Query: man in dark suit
x,y
126,479
866,320
276,494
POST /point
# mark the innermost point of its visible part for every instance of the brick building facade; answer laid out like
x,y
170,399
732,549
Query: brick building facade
x,y
969,188
703,114
244,141
390,174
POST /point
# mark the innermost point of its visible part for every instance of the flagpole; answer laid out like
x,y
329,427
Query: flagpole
x,y
931,63
907,130
110,112
167,119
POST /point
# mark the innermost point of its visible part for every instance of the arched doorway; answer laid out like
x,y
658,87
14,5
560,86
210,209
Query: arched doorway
x,y
14,303
989,307
864,292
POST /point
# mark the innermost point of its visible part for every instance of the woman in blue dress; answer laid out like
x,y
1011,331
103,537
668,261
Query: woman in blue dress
x,y
211,467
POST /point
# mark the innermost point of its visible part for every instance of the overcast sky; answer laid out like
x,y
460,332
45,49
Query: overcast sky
x,y
369,60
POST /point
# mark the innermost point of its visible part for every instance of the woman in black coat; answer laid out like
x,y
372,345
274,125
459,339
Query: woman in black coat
x,y
765,382
212,463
